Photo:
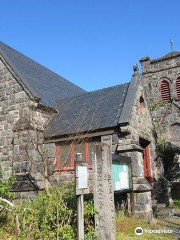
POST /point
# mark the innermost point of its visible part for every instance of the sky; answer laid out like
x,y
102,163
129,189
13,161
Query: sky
x,y
92,43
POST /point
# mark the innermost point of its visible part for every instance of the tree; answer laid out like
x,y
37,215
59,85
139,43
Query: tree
x,y
40,157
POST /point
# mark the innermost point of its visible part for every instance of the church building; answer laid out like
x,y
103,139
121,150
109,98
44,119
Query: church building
x,y
45,120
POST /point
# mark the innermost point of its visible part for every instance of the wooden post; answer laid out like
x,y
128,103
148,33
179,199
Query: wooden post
x,y
81,188
103,190
80,217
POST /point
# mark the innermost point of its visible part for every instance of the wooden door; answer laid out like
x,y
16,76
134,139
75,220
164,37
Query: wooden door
x,y
147,164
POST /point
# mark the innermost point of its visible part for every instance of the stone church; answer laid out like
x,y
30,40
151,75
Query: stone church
x,y
45,120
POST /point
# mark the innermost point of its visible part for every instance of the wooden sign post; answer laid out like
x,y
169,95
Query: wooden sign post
x,y
81,188
103,190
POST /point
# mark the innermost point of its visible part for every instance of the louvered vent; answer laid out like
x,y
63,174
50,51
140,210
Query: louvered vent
x,y
165,91
178,87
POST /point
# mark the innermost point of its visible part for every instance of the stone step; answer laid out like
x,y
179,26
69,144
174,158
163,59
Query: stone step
x,y
160,206
154,203
176,213
164,212
157,206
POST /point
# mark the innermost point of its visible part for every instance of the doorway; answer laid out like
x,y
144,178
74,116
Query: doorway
x,y
146,160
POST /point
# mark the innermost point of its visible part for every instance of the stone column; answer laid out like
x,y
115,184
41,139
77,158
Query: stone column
x,y
141,188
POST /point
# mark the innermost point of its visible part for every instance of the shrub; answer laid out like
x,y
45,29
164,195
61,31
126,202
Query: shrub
x,y
5,186
54,216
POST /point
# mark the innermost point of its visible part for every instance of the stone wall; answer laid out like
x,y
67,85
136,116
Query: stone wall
x,y
19,117
13,101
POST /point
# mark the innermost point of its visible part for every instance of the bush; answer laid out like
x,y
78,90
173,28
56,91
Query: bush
x,y
54,216
5,186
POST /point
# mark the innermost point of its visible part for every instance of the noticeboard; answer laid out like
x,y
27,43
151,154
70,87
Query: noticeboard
x,y
121,167
81,176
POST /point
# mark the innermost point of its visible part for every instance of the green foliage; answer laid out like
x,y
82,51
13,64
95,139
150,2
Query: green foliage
x,y
166,149
153,106
54,216
5,186
176,198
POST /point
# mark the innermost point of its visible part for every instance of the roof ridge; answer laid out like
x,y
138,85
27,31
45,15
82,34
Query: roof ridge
x,y
106,88
91,92
38,64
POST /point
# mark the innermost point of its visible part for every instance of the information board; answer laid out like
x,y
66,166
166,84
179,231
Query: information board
x,y
121,175
81,176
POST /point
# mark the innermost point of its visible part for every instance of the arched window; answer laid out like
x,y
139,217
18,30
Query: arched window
x,y
142,105
178,87
165,91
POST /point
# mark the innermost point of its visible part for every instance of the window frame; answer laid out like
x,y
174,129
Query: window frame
x,y
178,88
142,102
165,91
70,167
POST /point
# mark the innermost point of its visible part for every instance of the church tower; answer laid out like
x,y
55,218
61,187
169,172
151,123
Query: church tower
x,y
161,82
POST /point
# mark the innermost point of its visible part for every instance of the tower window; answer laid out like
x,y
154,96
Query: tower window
x,y
165,91
178,87
142,105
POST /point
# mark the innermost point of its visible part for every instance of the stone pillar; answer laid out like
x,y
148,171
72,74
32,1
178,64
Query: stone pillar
x,y
103,190
141,188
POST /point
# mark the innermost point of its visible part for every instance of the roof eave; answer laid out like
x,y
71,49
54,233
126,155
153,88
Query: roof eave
x,y
82,135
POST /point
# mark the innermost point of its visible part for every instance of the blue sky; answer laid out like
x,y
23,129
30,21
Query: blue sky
x,y
93,43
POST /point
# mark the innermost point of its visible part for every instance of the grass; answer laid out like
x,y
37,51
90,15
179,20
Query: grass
x,y
7,227
176,199
125,228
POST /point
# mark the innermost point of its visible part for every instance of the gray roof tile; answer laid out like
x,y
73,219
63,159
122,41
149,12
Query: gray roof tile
x,y
40,81
88,112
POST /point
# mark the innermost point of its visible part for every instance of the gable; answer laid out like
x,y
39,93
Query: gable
x,y
129,101
140,117
40,81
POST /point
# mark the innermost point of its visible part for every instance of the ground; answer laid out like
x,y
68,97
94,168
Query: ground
x,y
126,226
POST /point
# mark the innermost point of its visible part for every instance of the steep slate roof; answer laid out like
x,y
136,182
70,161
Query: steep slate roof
x,y
88,112
40,81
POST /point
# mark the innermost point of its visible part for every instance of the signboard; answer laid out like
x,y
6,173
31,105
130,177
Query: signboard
x,y
81,176
121,169
82,173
